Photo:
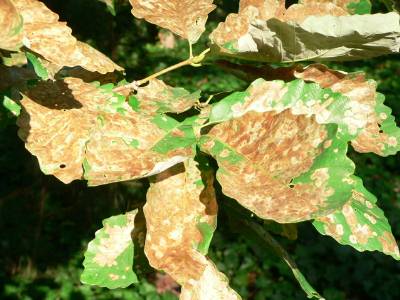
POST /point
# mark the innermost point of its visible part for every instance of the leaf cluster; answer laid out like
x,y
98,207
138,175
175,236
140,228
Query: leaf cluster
x,y
280,145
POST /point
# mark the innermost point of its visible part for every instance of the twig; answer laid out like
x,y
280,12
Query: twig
x,y
193,61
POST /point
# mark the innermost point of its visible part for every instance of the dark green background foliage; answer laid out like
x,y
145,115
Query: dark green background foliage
x,y
46,225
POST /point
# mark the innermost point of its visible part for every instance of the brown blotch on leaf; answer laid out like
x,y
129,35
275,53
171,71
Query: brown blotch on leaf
x,y
274,148
362,101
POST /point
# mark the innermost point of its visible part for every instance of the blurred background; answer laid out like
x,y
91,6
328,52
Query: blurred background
x,y
45,225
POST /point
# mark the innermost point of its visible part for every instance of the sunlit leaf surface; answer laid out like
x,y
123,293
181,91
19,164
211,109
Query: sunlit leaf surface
x,y
109,257
186,18
281,148
360,223
81,130
358,7
11,26
380,133
160,97
181,215
314,30
45,35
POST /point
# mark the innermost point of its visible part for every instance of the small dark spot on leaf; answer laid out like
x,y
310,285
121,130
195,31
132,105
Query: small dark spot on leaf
x,y
62,166
291,185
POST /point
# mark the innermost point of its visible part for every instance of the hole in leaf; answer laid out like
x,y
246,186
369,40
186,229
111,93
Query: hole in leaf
x,y
291,185
62,166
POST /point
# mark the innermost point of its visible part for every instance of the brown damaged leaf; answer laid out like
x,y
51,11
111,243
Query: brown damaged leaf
x,y
160,97
281,149
11,26
379,134
77,129
278,35
237,26
186,18
266,9
260,156
174,235
53,40
300,12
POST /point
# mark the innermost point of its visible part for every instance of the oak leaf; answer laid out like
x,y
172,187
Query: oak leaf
x,y
80,130
313,30
109,257
360,223
186,18
380,134
11,26
175,240
281,149
53,40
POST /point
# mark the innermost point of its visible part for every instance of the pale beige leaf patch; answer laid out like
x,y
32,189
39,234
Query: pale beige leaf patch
x,y
186,18
117,240
379,134
11,26
79,130
160,97
53,40
173,233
